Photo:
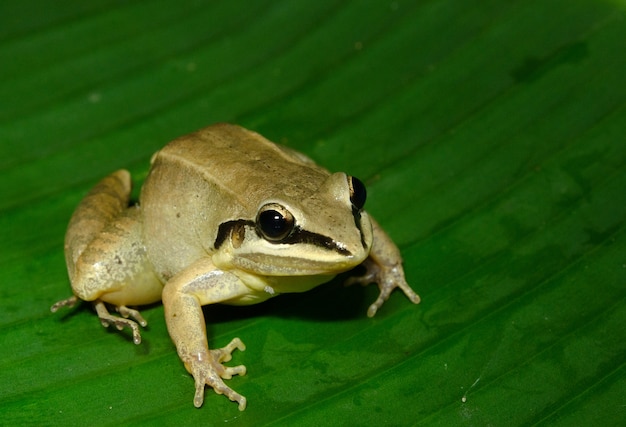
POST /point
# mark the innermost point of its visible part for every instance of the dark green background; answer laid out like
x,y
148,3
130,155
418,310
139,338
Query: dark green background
x,y
491,135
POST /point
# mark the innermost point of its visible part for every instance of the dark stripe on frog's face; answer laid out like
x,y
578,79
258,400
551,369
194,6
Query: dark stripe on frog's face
x,y
356,213
298,235
302,236
225,229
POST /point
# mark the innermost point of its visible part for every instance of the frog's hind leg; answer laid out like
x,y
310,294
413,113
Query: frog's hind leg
x,y
99,263
105,202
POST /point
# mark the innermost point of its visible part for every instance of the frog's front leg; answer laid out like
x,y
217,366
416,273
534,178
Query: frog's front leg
x,y
183,298
384,267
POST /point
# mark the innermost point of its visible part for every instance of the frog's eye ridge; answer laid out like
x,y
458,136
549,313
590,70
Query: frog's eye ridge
x,y
358,193
274,222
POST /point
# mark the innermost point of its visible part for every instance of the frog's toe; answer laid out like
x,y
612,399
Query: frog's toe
x,y
232,395
212,373
230,371
67,302
106,319
129,312
220,388
373,308
371,274
224,354
388,278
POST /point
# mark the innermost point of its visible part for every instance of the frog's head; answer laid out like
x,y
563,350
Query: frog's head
x,y
324,232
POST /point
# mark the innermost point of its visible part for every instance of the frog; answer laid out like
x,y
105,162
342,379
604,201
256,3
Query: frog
x,y
224,216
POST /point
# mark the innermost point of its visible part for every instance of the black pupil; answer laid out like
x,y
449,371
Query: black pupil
x,y
273,223
358,194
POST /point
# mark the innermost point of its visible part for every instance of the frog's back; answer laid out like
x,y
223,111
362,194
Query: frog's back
x,y
245,164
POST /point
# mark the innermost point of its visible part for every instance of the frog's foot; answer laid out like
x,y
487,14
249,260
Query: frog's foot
x,y
121,322
67,302
387,277
211,372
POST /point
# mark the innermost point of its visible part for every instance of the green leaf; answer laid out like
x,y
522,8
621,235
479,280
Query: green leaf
x,y
491,136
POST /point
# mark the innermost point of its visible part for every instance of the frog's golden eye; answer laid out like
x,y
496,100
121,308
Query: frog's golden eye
x,y
358,193
274,222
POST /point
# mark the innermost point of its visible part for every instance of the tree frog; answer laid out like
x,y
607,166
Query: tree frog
x,y
224,216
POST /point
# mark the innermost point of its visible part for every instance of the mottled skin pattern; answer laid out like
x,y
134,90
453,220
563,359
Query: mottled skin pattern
x,y
225,216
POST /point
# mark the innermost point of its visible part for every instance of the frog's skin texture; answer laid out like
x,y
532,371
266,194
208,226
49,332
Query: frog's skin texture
x,y
224,216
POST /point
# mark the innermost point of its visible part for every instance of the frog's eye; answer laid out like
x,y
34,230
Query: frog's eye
x,y
358,194
274,222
